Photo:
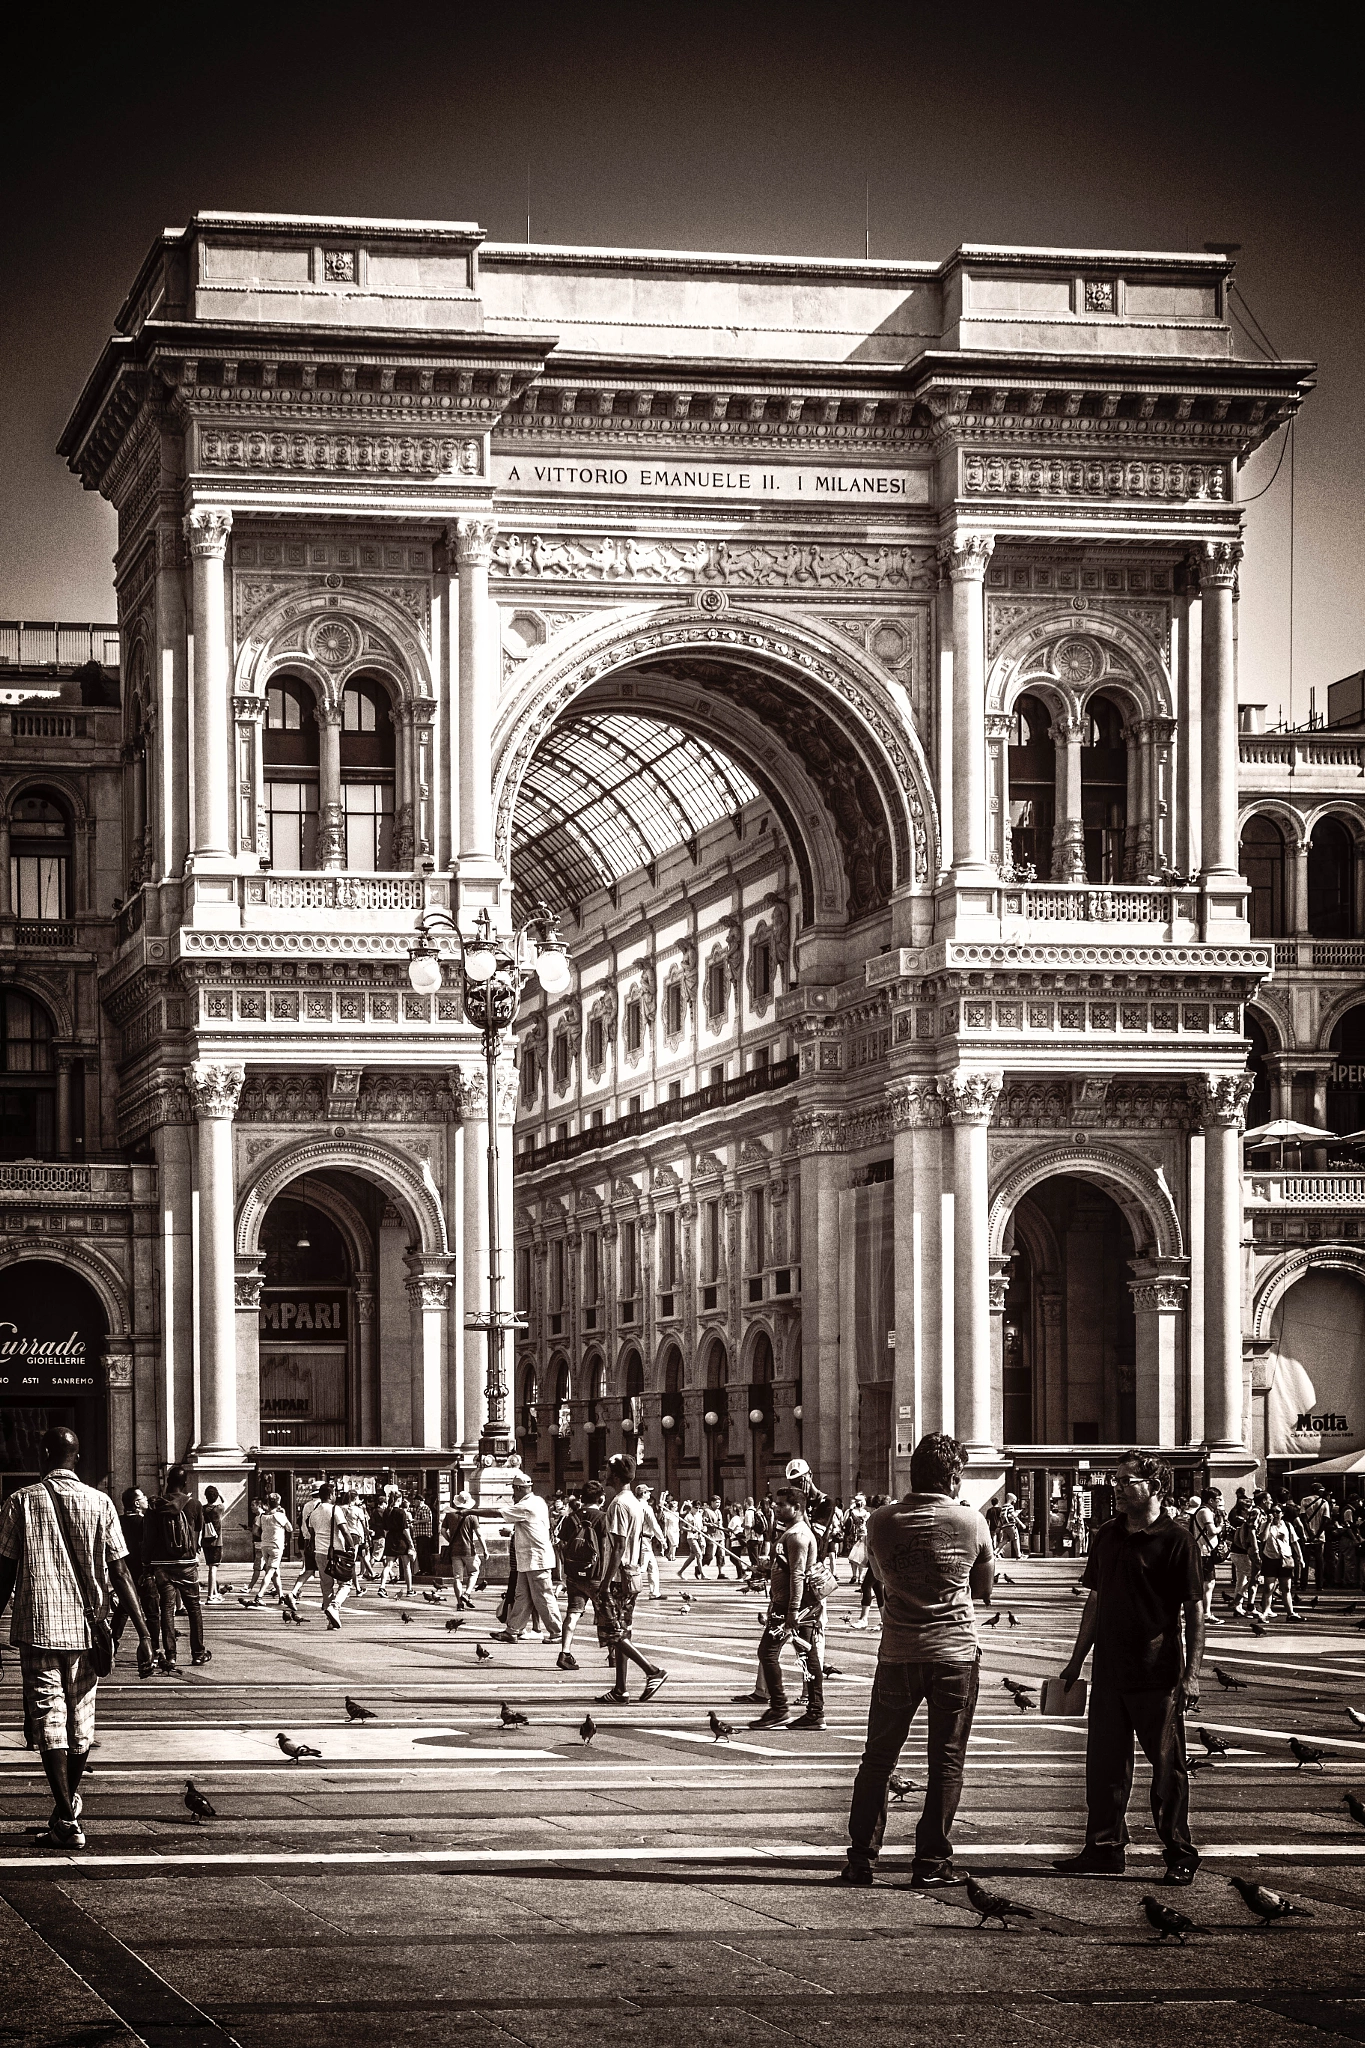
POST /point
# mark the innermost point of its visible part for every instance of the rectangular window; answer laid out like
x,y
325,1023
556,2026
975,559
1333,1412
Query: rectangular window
x,y
716,992
557,1274
530,1074
710,1226
38,886
369,826
292,808
523,1294
717,1079
634,1027
596,1044
758,1200
561,1132
763,970
794,1224
594,1119
761,1059
592,1268
673,1009
668,1248
629,1268
633,1106
560,1056
675,1091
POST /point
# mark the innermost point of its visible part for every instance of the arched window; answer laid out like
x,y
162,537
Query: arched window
x,y
1104,790
290,751
1033,786
367,776
1331,911
1261,860
40,859
28,1096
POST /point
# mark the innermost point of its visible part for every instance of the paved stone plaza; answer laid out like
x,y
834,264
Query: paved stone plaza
x,y
433,1879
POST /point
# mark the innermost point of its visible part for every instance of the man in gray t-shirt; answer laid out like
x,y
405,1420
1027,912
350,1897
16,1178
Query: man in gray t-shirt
x,y
933,1556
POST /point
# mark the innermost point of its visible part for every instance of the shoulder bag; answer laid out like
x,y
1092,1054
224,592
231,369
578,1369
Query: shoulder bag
x,y
101,1651
341,1557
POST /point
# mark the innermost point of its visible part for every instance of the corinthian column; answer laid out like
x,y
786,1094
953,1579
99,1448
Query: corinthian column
x,y
479,664
207,534
969,1099
332,819
1221,1101
1218,683
213,1092
965,558
1068,831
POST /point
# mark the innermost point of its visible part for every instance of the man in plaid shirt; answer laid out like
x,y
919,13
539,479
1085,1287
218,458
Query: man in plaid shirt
x,y
49,1628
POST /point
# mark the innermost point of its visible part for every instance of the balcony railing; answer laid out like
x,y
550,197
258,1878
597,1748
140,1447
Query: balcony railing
x,y
641,1121
1082,903
1301,753
37,643
32,932
1306,1190
41,1180
334,892
1338,953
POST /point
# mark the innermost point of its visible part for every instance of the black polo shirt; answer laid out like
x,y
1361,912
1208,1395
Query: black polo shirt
x,y
1143,1581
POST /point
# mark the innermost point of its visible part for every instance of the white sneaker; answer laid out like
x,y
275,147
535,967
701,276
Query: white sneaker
x,y
857,1624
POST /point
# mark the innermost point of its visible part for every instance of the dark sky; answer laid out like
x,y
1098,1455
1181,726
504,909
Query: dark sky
x,y
708,127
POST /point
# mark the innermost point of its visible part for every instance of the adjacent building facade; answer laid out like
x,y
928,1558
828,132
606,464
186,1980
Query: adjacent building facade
x,y
846,654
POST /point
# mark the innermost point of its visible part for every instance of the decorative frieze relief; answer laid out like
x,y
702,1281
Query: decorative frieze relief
x,y
779,565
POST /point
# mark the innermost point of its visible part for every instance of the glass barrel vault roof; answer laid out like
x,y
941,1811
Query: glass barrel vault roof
x,y
608,793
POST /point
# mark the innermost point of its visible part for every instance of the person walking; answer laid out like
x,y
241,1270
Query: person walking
x,y
1246,1549
935,1558
794,1615
400,1546
653,1535
534,1555
339,1527
1206,1527
580,1544
1009,1540
211,1543
133,1527
275,1526
1315,1512
1281,1562
174,1530
465,1547
308,1558
690,1541
668,1518
61,1549
1145,1621
623,1574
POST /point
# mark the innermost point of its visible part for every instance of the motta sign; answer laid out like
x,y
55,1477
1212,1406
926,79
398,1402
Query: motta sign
x,y
1323,1425
304,1312
734,481
45,1365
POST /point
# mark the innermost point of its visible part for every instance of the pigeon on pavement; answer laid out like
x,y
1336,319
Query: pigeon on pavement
x,y
1356,1716
289,1612
1258,1627
355,1712
296,1750
1306,1753
587,1730
1025,1704
721,1731
1265,1904
993,1621
403,1615
456,1621
1228,1683
199,1808
1354,1808
484,1656
1166,1920
1012,1685
994,1906
509,1718
900,1788
1011,1617
1214,1744
1003,1579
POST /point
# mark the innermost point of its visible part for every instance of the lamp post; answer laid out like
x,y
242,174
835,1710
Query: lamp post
x,y
495,973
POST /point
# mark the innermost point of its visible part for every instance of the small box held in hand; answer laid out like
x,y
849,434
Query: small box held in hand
x,y
1061,1698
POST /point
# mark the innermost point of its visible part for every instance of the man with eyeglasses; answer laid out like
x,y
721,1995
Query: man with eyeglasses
x,y
1145,1621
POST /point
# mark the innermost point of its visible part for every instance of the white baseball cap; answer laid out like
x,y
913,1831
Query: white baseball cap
x,y
797,1468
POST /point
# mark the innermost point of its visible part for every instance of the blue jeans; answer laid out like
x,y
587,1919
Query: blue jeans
x,y
897,1691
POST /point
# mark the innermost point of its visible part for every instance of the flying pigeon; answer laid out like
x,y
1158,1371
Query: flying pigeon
x,y
721,1731
199,1808
1306,1753
1167,1921
588,1730
296,1750
484,1656
355,1712
1265,1904
1228,1683
1354,1808
1214,1744
510,1719
993,1906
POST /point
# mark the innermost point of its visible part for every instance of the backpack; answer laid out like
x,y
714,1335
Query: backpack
x,y
580,1546
170,1535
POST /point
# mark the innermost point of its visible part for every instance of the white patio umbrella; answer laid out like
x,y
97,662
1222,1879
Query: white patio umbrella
x,y
1284,1131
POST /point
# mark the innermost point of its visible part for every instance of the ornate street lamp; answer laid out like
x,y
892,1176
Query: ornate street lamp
x,y
496,972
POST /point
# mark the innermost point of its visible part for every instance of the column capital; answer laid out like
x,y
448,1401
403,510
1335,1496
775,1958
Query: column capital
x,y
999,1283
328,711
248,1280
970,1094
965,556
916,1104
474,539
214,1090
247,710
207,529
1066,728
1220,1100
1219,561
